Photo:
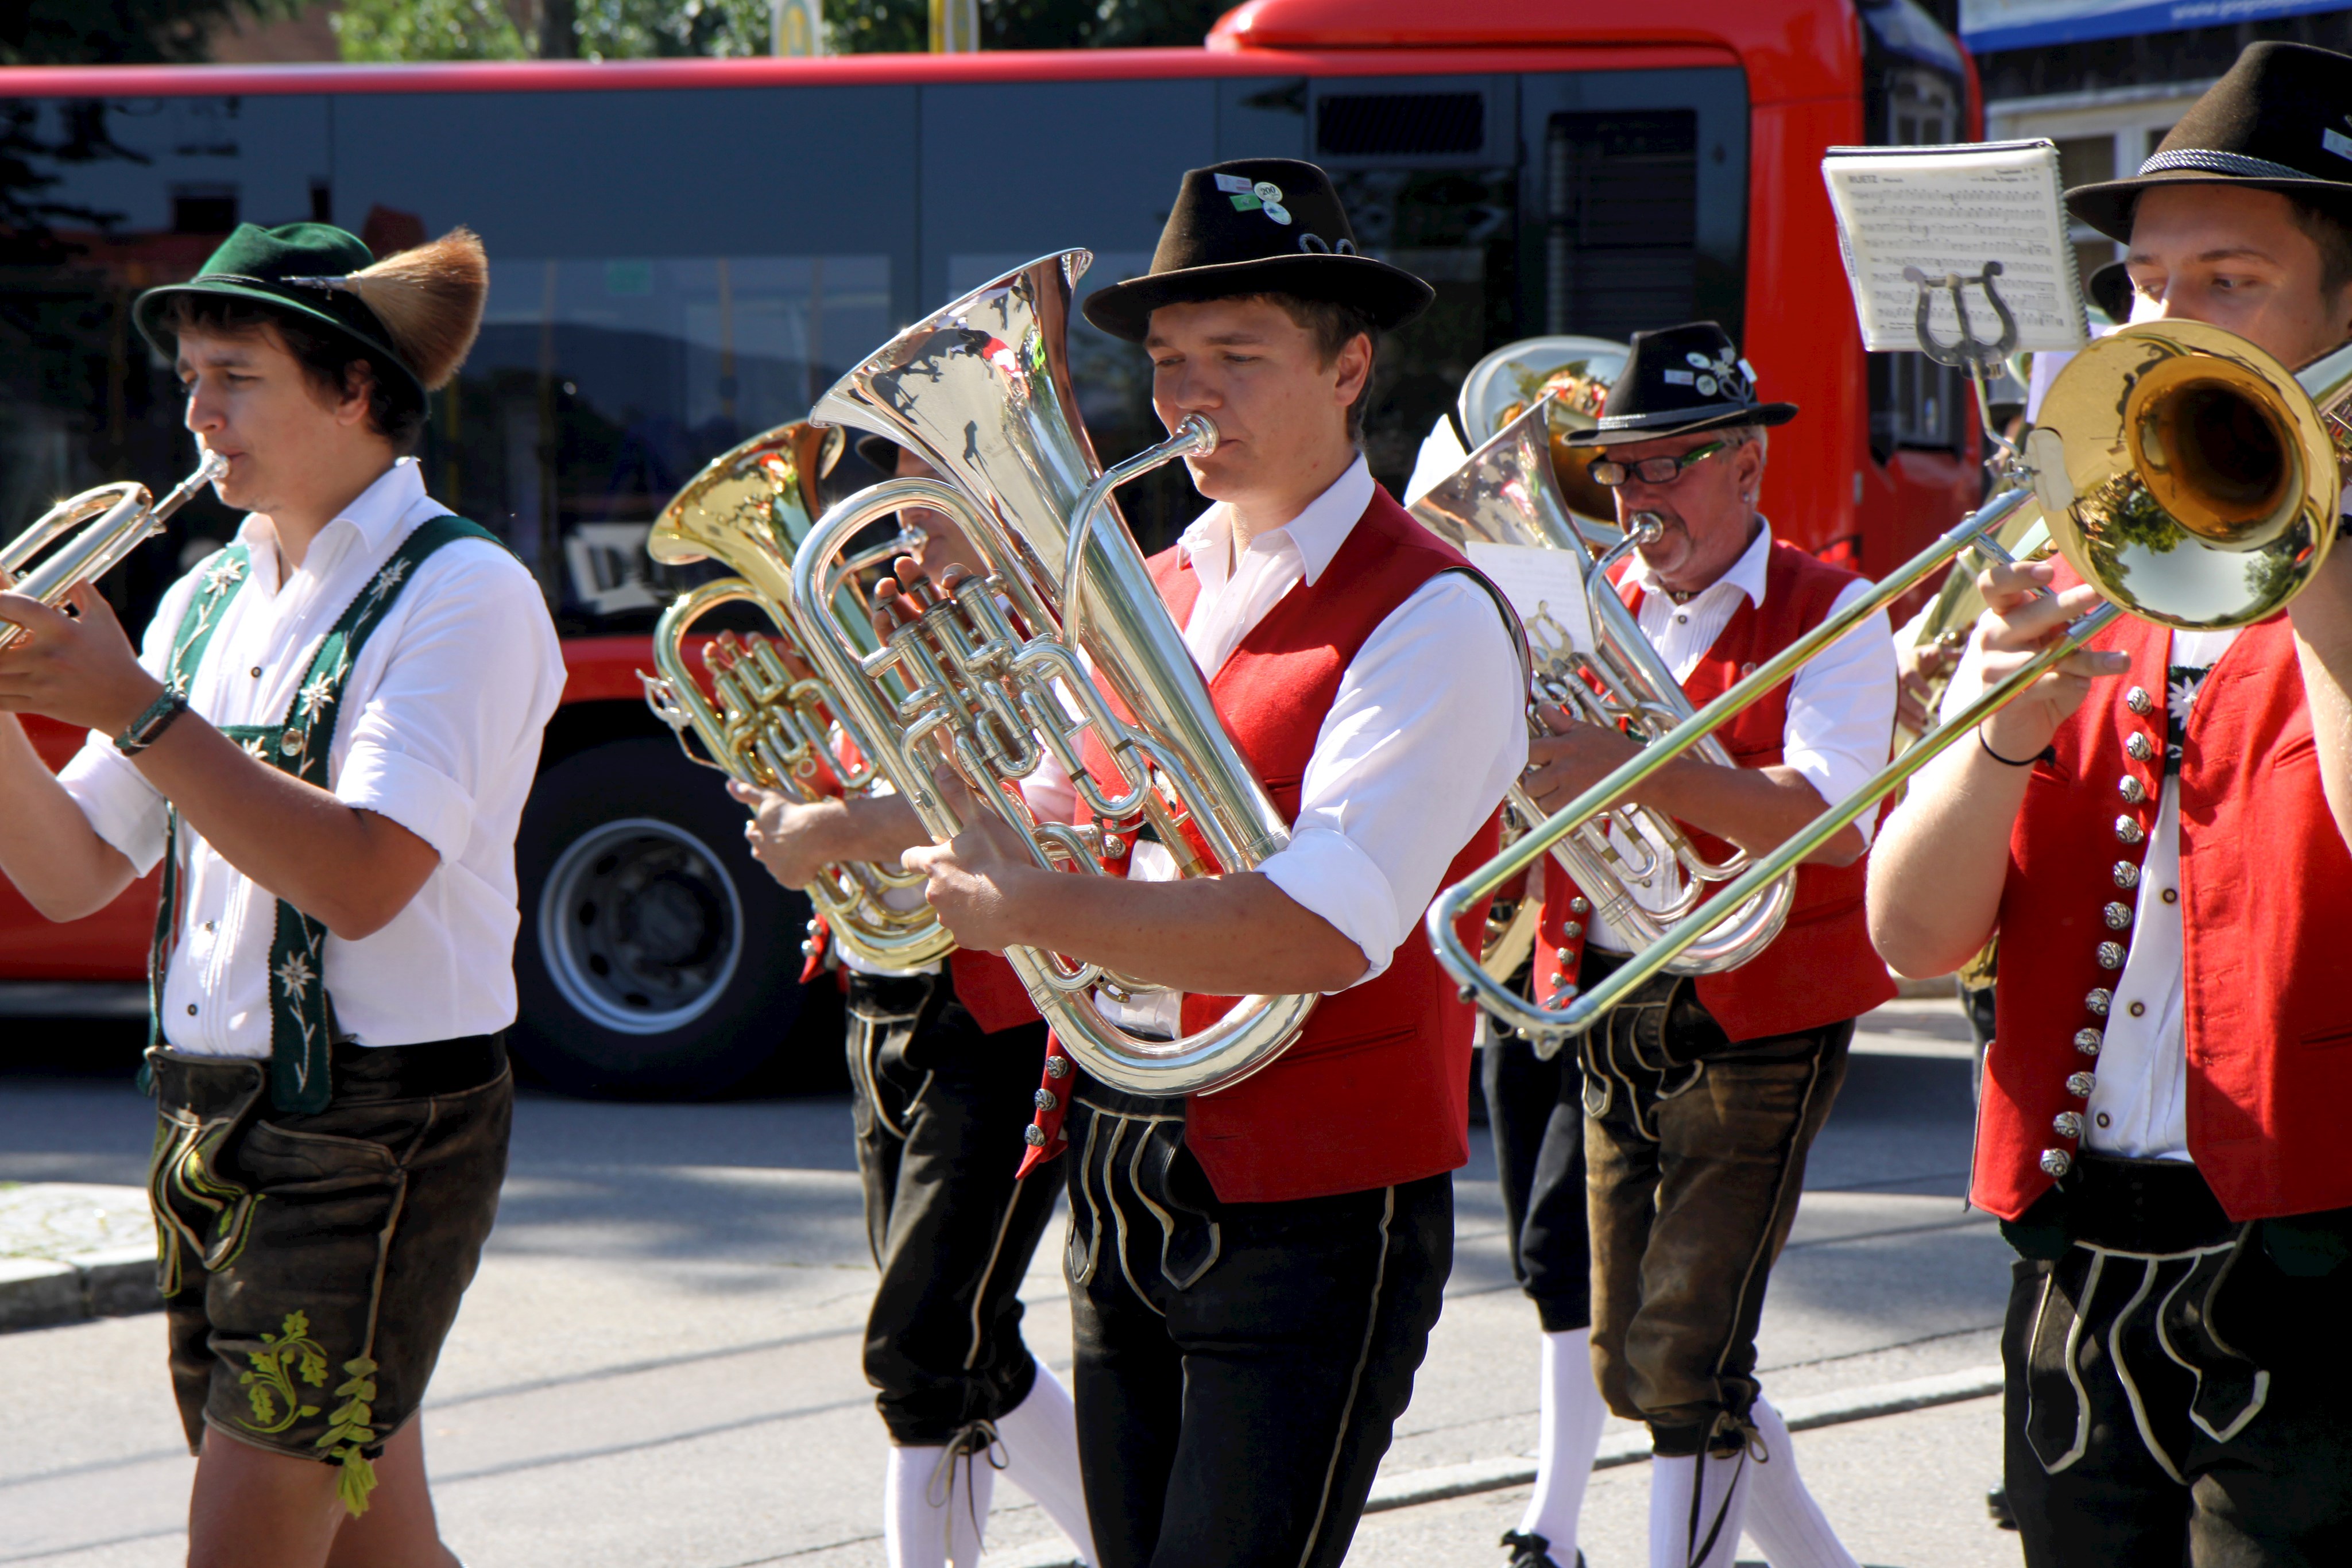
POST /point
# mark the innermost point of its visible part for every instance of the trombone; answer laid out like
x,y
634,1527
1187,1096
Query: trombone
x,y
2183,472
105,523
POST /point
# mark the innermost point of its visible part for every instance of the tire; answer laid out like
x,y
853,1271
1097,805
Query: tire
x,y
657,960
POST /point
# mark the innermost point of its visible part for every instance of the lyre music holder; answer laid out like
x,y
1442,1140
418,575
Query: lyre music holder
x,y
1980,355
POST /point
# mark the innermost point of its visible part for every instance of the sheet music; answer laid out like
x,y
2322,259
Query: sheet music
x,y
1539,583
1950,210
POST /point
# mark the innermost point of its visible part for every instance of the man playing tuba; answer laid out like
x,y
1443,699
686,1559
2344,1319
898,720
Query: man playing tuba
x,y
1701,1095
2160,1124
1255,1273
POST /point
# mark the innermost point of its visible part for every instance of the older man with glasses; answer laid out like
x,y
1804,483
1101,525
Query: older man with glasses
x,y
1701,1095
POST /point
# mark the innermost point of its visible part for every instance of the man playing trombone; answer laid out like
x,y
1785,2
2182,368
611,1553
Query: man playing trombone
x,y
1701,1095
2150,830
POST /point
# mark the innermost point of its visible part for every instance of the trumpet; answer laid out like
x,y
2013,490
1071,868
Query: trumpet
x,y
1001,672
1639,868
773,722
90,534
2183,472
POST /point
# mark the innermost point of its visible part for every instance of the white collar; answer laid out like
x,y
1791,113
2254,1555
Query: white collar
x,y
1313,536
376,514
1747,573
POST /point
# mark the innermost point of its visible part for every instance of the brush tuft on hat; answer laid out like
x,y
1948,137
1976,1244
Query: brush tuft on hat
x,y
429,299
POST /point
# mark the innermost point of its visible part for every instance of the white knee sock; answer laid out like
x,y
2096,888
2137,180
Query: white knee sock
x,y
1672,1542
1040,1438
932,1516
1782,1517
1570,1436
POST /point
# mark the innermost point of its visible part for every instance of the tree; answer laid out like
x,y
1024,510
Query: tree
x,y
120,32
883,27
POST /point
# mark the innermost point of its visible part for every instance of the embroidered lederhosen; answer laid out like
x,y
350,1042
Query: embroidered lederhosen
x,y
203,1215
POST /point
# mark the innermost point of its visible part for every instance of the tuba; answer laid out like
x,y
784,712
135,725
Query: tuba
x,y
1065,640
86,536
773,723
2185,473
1639,868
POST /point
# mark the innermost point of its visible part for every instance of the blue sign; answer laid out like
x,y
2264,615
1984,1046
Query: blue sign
x,y
1989,24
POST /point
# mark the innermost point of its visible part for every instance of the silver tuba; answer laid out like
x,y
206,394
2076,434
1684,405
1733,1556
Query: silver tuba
x,y
996,676
1637,866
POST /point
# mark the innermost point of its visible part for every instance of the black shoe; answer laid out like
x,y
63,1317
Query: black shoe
x,y
1532,1551
1997,1505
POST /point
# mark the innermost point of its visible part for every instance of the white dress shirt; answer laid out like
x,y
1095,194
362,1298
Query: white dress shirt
x,y
440,732
1840,719
2139,1095
1425,734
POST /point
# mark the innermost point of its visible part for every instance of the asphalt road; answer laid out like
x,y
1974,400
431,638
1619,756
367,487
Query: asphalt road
x,y
658,1365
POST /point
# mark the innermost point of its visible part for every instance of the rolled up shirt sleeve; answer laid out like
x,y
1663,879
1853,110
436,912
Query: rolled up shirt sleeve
x,y
1840,721
432,731
1426,732
122,808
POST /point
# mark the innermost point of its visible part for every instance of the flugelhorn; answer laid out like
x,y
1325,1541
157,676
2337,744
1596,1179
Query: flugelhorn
x,y
1641,870
769,721
1016,667
2185,473
83,537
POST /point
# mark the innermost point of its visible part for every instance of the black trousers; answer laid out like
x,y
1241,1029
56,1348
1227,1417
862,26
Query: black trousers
x,y
940,1112
2177,1390
1535,1111
1239,1366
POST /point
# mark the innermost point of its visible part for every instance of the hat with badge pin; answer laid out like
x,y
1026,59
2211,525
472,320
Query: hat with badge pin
x,y
1258,226
1679,379
2281,120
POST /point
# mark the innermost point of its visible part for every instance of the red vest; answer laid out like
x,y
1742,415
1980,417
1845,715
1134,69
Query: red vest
x,y
2266,891
1821,967
989,991
1376,1089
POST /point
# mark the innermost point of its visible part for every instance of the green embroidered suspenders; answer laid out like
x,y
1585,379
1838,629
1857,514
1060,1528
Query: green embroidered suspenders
x,y
301,1017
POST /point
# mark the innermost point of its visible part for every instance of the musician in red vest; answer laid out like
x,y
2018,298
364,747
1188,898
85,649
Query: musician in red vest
x,y
942,1060
1255,1273
1701,1095
2149,830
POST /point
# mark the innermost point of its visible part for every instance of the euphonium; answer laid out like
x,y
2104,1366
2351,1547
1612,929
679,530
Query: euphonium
x,y
89,535
1639,868
2183,472
991,681
775,724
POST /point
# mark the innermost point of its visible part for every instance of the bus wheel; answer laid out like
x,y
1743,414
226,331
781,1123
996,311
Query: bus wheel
x,y
656,957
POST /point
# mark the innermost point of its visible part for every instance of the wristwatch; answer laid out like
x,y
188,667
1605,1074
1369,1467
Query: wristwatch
x,y
149,727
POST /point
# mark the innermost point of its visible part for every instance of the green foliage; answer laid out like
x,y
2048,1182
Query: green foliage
x,y
118,32
428,30
886,27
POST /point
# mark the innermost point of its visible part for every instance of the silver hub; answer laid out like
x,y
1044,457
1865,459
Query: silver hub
x,y
640,927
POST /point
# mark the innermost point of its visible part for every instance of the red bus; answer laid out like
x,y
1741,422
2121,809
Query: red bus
x,y
686,252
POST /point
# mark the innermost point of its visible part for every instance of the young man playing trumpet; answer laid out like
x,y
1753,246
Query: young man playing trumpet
x,y
1701,1095
328,739
941,1060
1254,1273
2156,831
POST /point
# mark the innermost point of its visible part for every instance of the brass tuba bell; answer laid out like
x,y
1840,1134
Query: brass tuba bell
x,y
769,721
1065,636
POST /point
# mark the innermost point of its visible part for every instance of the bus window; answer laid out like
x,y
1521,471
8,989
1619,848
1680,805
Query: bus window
x,y
600,386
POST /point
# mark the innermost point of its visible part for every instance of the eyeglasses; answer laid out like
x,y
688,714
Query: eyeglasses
x,y
1609,473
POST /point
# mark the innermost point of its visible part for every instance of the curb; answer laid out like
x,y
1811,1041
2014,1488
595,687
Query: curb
x,y
41,1292
1439,1482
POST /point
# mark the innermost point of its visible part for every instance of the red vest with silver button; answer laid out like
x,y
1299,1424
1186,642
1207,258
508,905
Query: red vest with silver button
x,y
1821,967
2265,903
1376,1090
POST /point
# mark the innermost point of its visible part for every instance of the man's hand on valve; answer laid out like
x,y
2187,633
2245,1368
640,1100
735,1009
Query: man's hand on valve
x,y
1572,760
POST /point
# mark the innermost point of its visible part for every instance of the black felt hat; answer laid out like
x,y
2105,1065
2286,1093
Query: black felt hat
x,y
2110,290
1258,226
2280,121
1679,379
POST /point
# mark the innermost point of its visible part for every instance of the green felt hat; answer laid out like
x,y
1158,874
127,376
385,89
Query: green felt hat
x,y
299,270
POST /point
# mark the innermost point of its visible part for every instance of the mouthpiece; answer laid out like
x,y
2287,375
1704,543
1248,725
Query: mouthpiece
x,y
1202,432
1645,527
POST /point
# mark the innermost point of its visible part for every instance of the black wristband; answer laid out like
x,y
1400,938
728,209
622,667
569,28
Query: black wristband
x,y
2047,754
149,727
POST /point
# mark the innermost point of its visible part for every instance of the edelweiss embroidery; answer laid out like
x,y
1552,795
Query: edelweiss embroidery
x,y
390,577
295,976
